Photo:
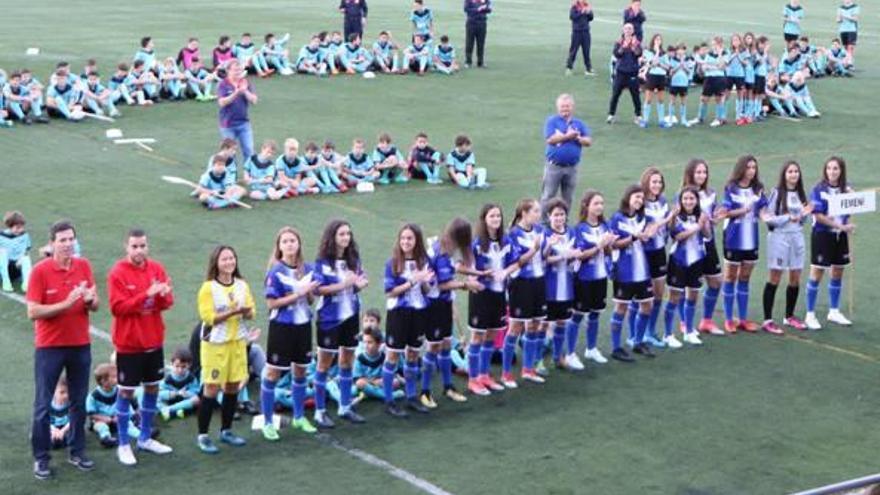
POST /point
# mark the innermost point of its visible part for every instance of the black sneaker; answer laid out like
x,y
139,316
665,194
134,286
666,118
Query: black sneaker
x,y
81,462
42,119
622,355
41,470
323,421
27,121
248,407
415,405
395,410
644,350
353,417
109,442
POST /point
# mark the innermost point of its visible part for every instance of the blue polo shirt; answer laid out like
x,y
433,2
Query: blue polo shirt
x,y
236,113
566,153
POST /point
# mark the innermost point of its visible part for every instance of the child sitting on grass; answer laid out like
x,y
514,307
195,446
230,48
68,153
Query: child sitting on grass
x,y
179,390
425,161
261,176
461,163
389,161
217,188
368,363
359,166
59,415
15,243
101,407
330,165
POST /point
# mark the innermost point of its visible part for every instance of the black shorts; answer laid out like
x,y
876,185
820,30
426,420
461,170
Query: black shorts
x,y
760,86
656,263
415,66
559,310
487,310
678,90
738,256
406,328
849,39
737,82
589,295
13,270
684,277
342,335
633,291
790,37
439,320
655,82
288,344
711,263
527,299
829,249
138,368
714,86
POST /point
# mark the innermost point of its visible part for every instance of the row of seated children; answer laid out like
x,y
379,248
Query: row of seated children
x,y
324,170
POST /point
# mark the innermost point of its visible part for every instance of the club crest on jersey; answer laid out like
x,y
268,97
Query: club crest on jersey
x,y
215,374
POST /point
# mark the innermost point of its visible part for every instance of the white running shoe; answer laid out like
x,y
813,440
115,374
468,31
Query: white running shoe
x,y
835,316
125,455
671,342
716,123
692,339
595,356
573,362
695,121
154,446
630,343
812,322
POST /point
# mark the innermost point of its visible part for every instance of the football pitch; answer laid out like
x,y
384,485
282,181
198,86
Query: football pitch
x,y
746,414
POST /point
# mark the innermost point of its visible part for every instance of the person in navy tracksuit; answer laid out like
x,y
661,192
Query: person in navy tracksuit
x,y
355,14
475,29
581,14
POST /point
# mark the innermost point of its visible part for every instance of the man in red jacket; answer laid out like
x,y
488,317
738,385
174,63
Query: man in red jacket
x,y
139,291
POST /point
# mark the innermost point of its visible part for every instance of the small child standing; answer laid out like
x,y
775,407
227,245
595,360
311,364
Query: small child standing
x,y
461,163
101,408
680,75
425,161
179,391
15,242
59,415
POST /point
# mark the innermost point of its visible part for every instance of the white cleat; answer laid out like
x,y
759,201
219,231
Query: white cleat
x,y
672,342
595,356
692,339
155,447
835,316
812,322
572,362
716,123
125,455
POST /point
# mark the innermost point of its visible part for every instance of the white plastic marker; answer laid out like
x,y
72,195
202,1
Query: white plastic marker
x,y
143,146
33,52
134,140
183,182
365,187
95,116
113,133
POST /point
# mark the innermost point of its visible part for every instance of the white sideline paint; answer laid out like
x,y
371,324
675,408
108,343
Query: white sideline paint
x,y
399,473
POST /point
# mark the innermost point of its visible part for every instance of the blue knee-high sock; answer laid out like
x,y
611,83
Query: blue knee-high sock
x,y
834,287
683,109
592,330
571,332
388,370
680,312
298,393
558,340
661,112
267,399
631,313
728,289
690,309
444,362
320,385
528,350
742,299
812,294
669,317
507,352
429,364
345,382
473,354
721,111
702,111
646,111
411,377
655,315
486,353
123,417
641,326
148,410
616,330
710,298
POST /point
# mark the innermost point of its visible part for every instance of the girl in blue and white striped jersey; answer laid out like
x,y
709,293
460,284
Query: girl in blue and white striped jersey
x,y
746,205
560,280
408,276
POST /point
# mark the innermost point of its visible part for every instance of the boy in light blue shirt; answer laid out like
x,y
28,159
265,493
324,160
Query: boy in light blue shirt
x,y
461,164
444,56
15,244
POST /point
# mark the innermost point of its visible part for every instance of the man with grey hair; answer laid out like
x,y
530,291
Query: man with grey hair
x,y
565,135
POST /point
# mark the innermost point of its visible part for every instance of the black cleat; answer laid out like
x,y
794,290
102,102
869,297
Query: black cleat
x,y
416,406
622,356
353,417
644,350
41,470
81,462
395,410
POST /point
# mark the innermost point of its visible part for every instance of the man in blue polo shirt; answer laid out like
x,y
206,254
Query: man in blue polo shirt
x,y
565,135
234,95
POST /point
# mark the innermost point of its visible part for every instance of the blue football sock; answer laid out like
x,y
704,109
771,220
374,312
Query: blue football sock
x,y
486,353
702,111
661,112
631,313
429,364
641,327
267,399
345,382
729,295
742,299
320,384
834,287
388,380
411,376
147,411
528,352
298,394
616,330
812,294
444,362
690,309
646,111
507,352
571,332
669,317
655,315
558,340
123,417
592,330
683,109
710,298
473,355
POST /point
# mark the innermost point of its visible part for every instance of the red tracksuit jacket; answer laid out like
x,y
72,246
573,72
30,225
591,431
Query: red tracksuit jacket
x,y
137,319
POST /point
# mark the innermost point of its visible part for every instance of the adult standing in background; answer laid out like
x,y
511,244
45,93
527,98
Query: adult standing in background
x,y
627,51
581,14
475,29
61,294
636,16
235,94
355,14
564,135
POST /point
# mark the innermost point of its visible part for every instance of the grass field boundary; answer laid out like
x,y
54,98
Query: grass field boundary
x,y
324,438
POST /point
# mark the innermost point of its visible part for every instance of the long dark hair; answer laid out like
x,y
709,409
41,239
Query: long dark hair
x,y
523,206
841,182
645,181
276,249
419,255
739,171
458,236
782,188
481,231
327,248
584,214
624,201
213,271
690,170
697,212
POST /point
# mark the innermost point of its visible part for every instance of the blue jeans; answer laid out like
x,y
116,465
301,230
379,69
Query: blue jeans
x,y
244,135
49,362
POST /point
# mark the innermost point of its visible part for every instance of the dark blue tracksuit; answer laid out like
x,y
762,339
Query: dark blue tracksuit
x,y
355,11
475,29
636,20
626,76
580,36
